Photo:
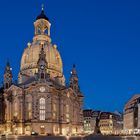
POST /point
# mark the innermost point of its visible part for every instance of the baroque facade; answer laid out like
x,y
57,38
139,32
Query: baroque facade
x,y
40,101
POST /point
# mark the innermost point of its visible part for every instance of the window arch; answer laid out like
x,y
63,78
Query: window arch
x,y
42,108
67,113
42,76
15,110
29,104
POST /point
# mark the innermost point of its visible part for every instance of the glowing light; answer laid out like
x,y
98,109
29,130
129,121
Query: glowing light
x,y
67,137
55,46
29,44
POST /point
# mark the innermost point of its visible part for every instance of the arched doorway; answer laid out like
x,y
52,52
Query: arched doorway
x,y
42,130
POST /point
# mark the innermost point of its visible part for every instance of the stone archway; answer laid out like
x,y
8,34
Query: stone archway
x,y
28,130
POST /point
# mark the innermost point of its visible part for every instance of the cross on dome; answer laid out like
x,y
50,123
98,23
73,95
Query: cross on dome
x,y
42,14
42,7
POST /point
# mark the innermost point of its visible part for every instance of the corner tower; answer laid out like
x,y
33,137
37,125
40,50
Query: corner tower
x,y
74,80
7,76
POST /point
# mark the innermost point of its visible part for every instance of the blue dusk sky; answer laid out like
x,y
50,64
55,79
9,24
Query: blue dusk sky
x,y
102,37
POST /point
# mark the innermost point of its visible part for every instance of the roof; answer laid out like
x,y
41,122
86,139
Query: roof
x,y
42,15
96,113
29,81
88,113
133,101
110,115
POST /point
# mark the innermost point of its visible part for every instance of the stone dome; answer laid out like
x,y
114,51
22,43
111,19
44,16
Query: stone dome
x,y
31,55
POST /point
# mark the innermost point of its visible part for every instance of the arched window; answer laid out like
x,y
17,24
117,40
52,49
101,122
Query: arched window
x,y
67,113
42,75
67,108
42,108
29,110
15,109
46,31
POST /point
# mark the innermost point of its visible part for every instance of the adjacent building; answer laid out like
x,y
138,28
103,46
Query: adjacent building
x,y
110,123
91,121
131,115
88,121
106,123
40,101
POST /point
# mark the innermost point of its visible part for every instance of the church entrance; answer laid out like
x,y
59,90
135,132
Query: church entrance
x,y
42,130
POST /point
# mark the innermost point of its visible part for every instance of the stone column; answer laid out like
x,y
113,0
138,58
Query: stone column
x,y
48,31
11,111
7,111
21,102
20,113
60,102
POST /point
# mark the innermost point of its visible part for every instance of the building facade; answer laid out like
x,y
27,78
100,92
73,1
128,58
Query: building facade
x,y
2,106
110,123
131,115
88,121
91,119
41,102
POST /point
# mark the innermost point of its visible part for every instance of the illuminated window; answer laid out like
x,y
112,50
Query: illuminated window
x,y
54,107
67,118
54,115
29,106
29,110
42,108
15,110
67,113
67,108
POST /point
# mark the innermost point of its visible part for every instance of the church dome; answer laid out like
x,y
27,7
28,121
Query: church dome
x,y
31,55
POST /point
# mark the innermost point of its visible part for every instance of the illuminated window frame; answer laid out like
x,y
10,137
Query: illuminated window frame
x,y
42,109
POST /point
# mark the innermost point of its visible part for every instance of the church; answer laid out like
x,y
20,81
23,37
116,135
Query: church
x,y
40,102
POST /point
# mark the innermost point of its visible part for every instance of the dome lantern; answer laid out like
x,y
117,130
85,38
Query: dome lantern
x,y
42,24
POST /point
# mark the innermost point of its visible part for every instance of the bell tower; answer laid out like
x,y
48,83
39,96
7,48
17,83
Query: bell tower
x,y
74,80
7,76
42,27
